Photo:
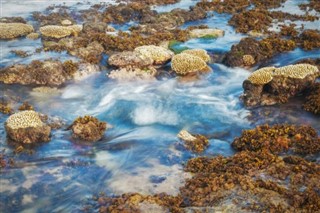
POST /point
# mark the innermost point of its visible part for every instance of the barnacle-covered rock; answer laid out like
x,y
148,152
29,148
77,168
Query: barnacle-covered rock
x,y
199,33
201,53
133,74
279,138
56,31
184,64
194,143
270,85
47,73
159,54
26,127
14,30
130,58
312,103
88,128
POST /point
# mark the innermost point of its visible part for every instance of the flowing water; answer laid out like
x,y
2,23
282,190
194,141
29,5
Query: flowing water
x,y
140,151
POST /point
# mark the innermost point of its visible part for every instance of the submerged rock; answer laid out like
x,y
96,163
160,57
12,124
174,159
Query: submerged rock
x,y
46,73
184,64
130,58
270,85
14,30
26,127
88,128
194,143
133,74
159,54
206,33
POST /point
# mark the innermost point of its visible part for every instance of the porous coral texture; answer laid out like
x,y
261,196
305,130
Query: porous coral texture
x,y
26,127
184,64
14,30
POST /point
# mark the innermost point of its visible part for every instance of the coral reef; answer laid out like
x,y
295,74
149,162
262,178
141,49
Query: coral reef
x,y
269,85
133,74
47,73
130,58
259,50
227,6
184,64
26,127
201,53
312,103
88,128
310,39
194,143
278,139
55,31
14,30
158,54
200,33
257,20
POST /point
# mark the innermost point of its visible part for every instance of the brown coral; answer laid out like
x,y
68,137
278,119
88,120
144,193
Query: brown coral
x,y
279,138
194,143
312,103
88,128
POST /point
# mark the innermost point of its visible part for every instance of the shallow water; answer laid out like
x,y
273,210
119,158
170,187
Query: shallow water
x,y
140,151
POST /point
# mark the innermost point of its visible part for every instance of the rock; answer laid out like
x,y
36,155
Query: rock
x,y
56,31
270,85
14,30
198,33
184,64
133,74
130,58
85,70
26,127
194,143
46,73
159,54
92,53
88,128
201,53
